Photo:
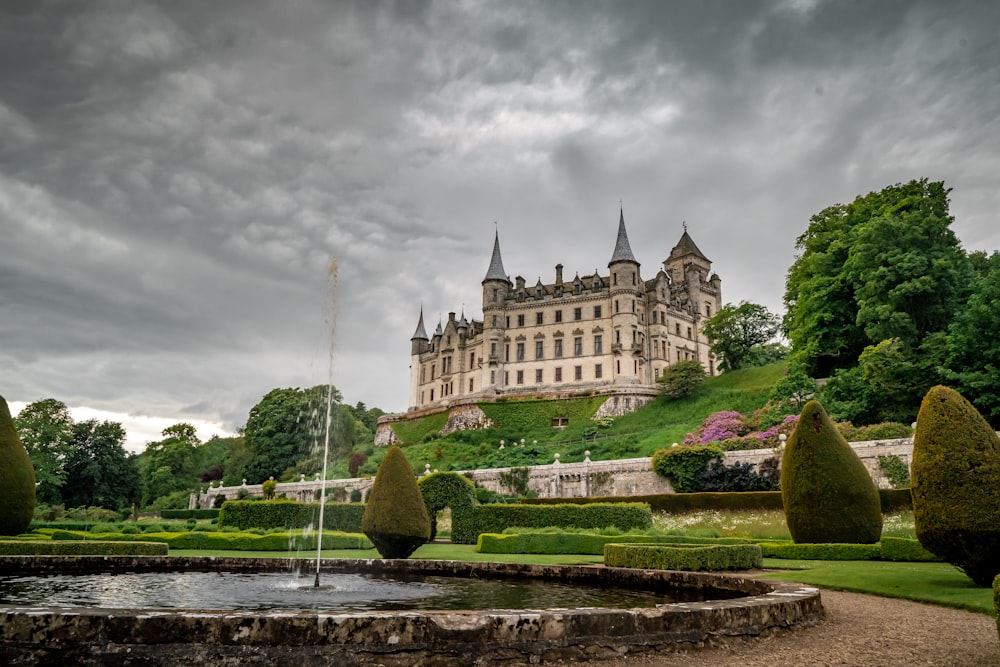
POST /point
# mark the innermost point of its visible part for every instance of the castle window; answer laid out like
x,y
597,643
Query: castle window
x,y
598,371
689,332
423,374
472,360
520,320
598,344
578,372
578,346
618,336
539,349
493,349
633,277
520,351
577,288
538,292
654,317
520,377
493,377
433,368
495,293
614,278
677,328
538,376
559,375
447,340
506,352
708,309
538,318
432,394
470,385
508,322
618,367
616,305
578,313
558,316
633,305
558,348
597,312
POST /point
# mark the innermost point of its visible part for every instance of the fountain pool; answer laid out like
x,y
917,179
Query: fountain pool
x,y
704,607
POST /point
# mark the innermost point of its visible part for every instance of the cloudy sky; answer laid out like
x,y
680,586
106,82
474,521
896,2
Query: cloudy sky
x,y
176,178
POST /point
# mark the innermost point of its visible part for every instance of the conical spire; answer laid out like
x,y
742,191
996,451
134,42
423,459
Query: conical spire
x,y
686,246
420,333
623,251
496,271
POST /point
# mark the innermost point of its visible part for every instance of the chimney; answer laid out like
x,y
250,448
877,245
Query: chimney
x,y
559,268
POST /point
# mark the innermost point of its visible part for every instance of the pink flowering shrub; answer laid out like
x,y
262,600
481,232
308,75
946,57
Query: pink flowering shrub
x,y
716,427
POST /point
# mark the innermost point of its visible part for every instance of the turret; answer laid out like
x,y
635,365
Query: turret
x,y
496,285
419,339
626,304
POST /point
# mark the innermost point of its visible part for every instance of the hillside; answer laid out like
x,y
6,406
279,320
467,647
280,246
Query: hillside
x,y
652,427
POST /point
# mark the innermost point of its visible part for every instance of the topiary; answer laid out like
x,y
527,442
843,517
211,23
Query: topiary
x,y
446,489
955,484
395,518
826,490
683,465
17,478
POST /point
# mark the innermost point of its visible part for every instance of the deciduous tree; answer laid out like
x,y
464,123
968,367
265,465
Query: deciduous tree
x,y
735,331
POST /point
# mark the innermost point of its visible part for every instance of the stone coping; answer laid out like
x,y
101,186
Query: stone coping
x,y
92,636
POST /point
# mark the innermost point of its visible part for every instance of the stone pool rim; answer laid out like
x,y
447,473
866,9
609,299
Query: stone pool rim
x,y
36,635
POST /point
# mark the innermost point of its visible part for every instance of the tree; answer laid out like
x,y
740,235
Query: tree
x,y
735,331
283,428
16,476
98,470
45,428
395,517
685,378
172,464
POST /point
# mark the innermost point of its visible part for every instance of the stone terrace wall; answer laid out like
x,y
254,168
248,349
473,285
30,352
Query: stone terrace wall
x,y
622,477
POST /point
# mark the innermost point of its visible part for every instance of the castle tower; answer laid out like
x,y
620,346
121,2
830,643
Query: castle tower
x,y
419,342
626,305
496,285
697,289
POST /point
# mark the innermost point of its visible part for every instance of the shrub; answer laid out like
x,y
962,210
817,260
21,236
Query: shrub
x,y
446,489
956,484
17,478
267,514
192,514
736,477
683,465
466,528
905,550
268,488
682,379
516,480
690,557
80,548
537,542
827,493
820,551
719,426
395,518
896,471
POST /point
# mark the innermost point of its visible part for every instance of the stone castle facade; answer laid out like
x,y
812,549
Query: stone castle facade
x,y
598,333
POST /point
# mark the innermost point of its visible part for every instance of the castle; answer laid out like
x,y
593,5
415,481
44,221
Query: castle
x,y
607,334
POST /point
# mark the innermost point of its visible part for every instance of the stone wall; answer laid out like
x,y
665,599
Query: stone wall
x,y
621,477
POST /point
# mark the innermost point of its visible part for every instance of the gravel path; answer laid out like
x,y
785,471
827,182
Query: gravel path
x,y
859,631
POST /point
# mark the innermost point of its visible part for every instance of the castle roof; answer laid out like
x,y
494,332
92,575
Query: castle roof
x,y
685,247
496,271
623,251
420,333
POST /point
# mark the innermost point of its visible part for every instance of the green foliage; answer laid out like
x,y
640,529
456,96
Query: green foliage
x,y
683,465
171,464
688,557
267,514
446,489
736,477
956,484
45,428
395,518
466,528
996,600
896,471
516,480
190,514
98,470
826,490
903,549
282,541
821,551
735,331
682,379
522,416
17,478
417,430
81,548
268,488
564,542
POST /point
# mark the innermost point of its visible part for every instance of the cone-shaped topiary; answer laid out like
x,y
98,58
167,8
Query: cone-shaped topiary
x,y
955,484
826,490
395,518
17,478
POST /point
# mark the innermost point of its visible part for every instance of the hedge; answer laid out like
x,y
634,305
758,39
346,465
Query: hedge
x,y
905,550
580,543
996,600
267,514
690,557
892,500
190,514
81,548
467,526
285,542
820,551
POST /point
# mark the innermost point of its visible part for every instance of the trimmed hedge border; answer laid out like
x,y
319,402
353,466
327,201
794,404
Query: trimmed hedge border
x,y
820,551
892,500
190,514
267,514
466,527
81,548
688,557
285,542
903,549
581,543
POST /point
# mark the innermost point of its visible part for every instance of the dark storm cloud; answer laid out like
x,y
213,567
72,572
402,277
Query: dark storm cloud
x,y
175,178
